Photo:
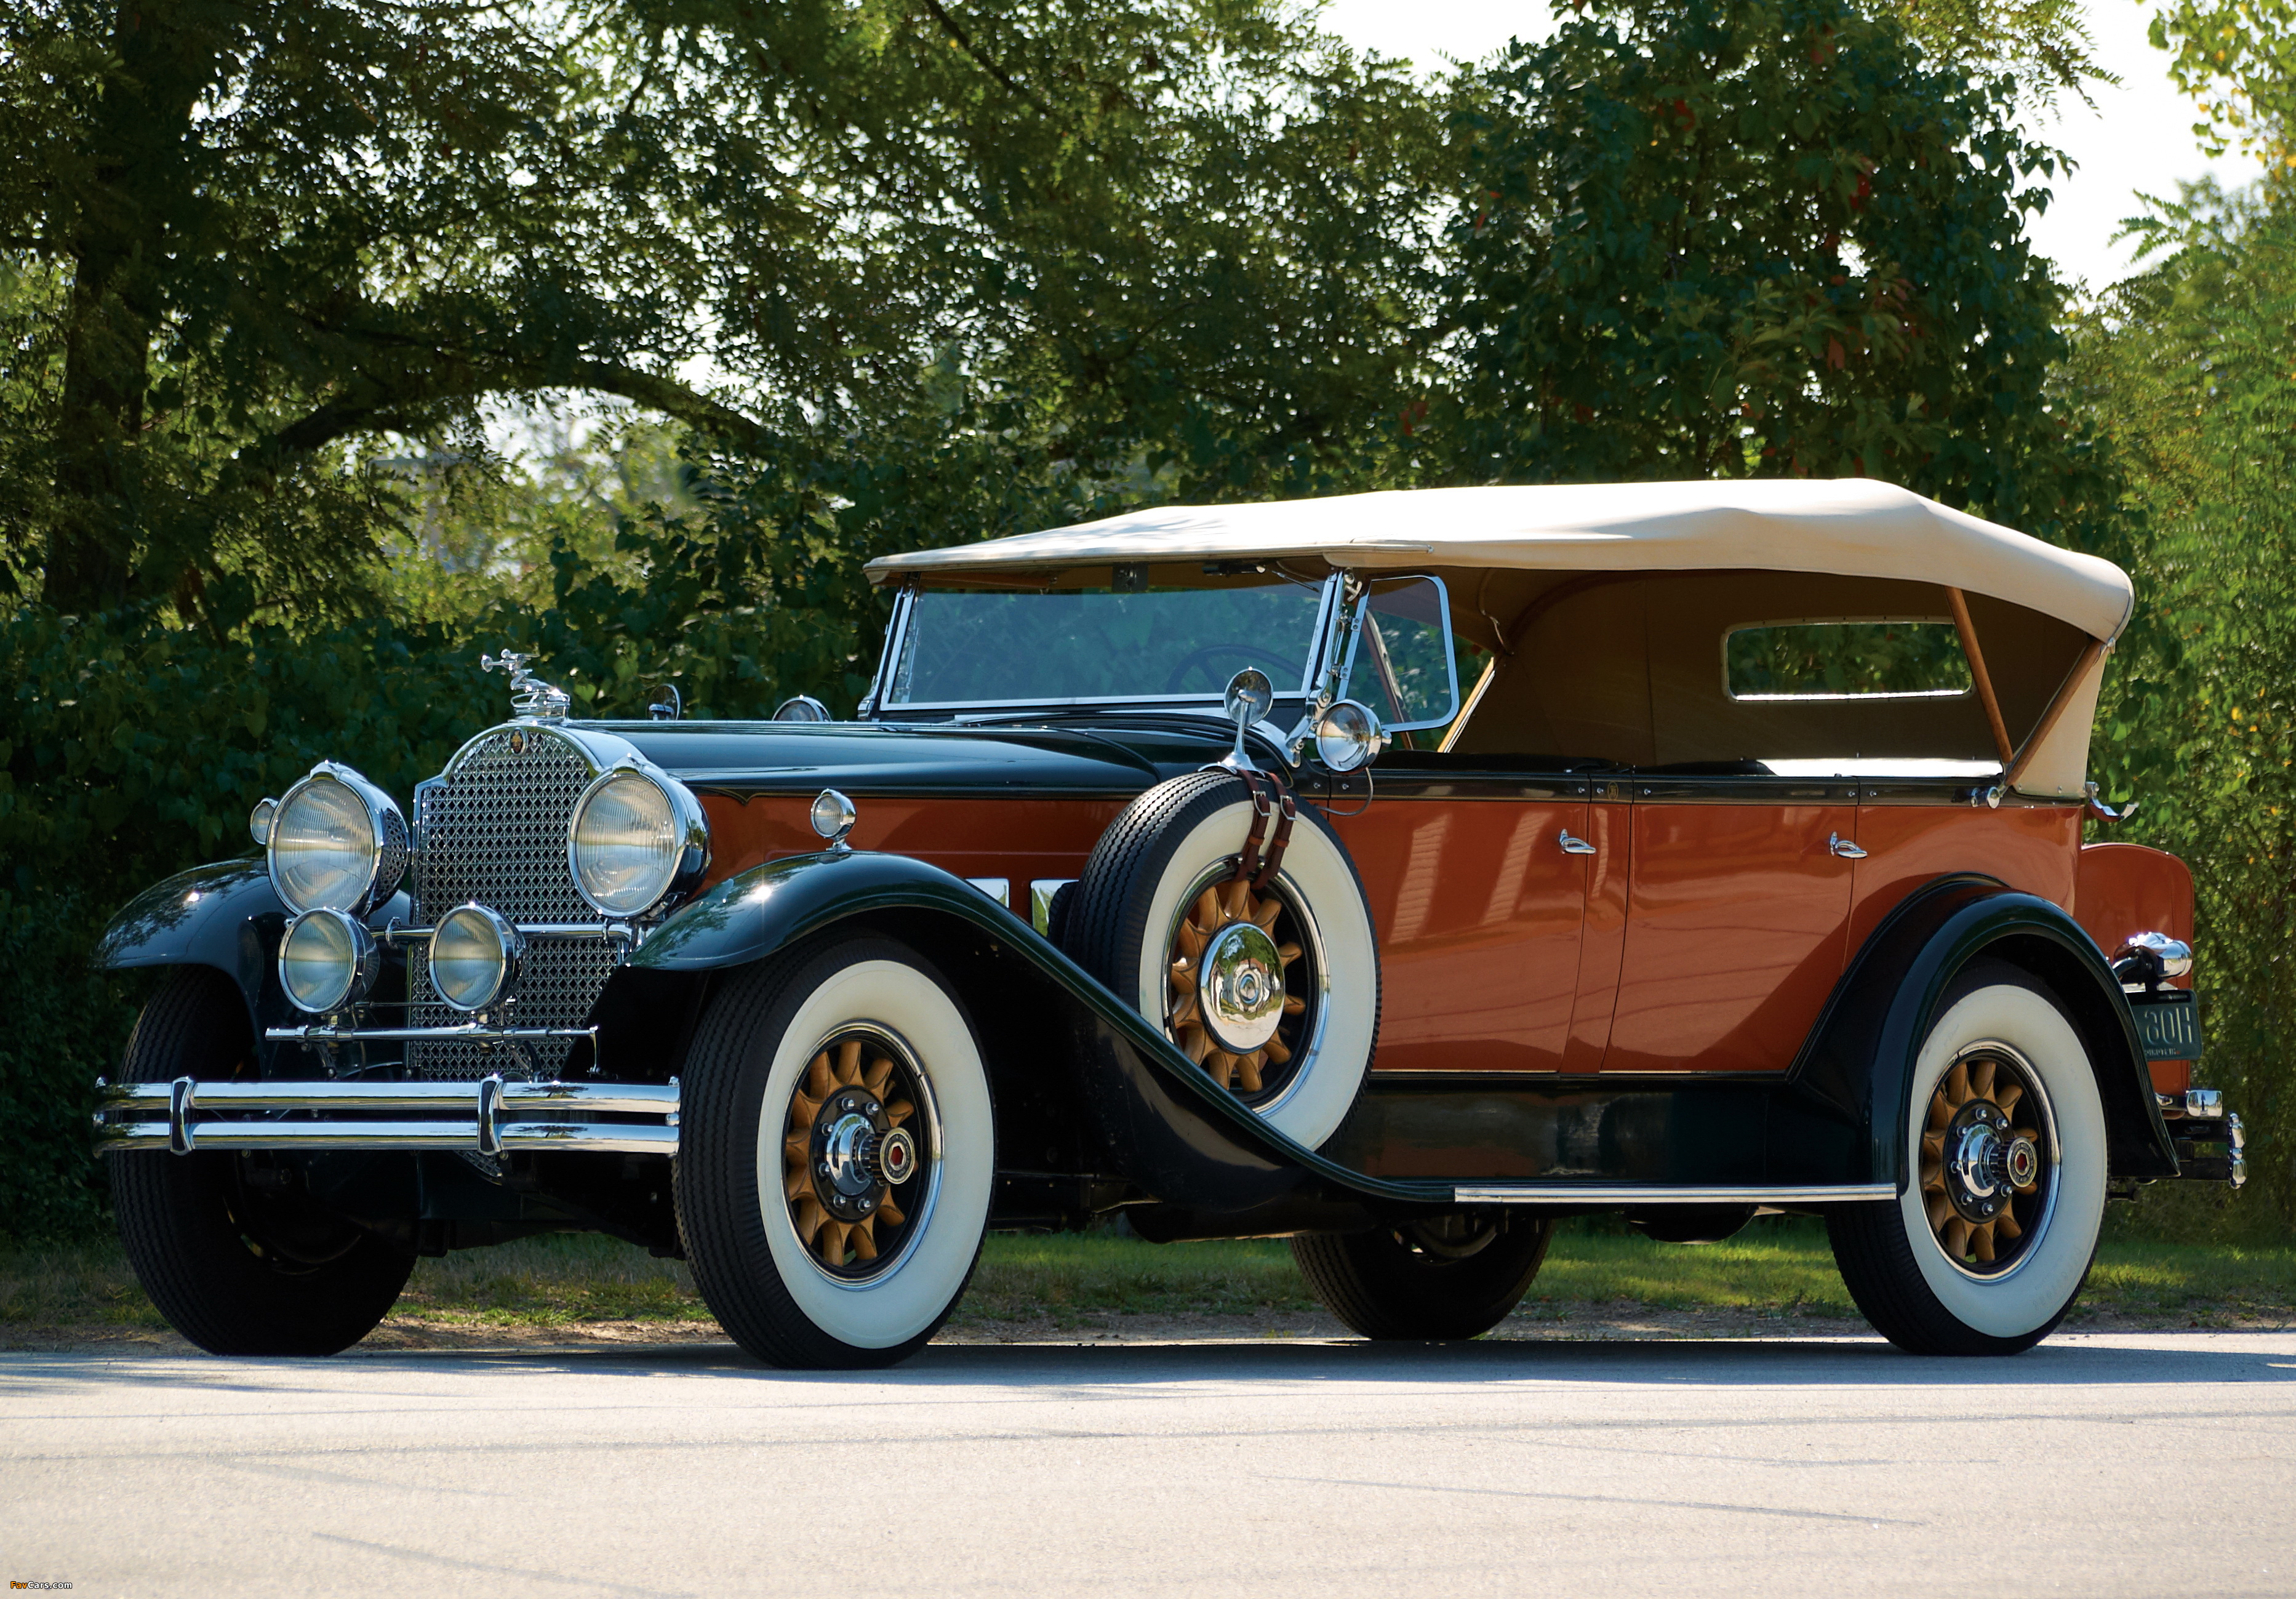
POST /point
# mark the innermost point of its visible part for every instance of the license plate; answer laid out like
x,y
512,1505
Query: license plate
x,y
2169,1027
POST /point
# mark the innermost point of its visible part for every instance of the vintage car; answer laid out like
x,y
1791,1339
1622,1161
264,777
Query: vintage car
x,y
1167,873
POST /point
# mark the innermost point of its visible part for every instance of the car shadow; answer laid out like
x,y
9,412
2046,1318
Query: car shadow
x,y
2175,1359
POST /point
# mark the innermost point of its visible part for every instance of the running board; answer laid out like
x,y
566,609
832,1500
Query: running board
x,y
1666,1193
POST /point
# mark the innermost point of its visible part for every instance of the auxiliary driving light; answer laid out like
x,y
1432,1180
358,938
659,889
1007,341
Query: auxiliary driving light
x,y
327,962
1347,736
474,957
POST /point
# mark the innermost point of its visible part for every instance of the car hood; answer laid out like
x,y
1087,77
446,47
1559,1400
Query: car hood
x,y
755,757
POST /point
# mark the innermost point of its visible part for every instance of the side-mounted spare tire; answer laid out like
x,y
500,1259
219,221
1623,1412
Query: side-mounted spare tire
x,y
1273,990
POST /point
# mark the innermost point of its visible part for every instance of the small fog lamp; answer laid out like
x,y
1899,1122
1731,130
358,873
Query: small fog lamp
x,y
259,819
327,961
474,957
1347,736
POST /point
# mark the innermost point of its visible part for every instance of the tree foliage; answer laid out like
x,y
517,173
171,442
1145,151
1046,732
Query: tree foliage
x,y
2190,368
1757,238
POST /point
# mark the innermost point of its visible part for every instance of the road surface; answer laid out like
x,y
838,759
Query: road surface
x,y
2137,1463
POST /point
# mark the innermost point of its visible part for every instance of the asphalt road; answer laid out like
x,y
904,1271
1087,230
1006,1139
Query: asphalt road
x,y
2133,1464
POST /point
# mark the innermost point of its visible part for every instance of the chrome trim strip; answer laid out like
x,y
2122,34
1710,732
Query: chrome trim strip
x,y
1664,1193
621,933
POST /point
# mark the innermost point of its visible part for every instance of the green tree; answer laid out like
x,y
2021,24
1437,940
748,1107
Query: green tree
x,y
1757,237
2190,371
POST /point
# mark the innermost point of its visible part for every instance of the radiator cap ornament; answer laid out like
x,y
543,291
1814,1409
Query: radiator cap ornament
x,y
531,697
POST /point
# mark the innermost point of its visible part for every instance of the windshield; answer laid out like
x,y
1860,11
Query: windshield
x,y
1128,641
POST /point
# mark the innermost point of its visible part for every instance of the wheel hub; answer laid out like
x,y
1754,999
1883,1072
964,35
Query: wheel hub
x,y
1242,987
846,1158
1978,1170
1226,991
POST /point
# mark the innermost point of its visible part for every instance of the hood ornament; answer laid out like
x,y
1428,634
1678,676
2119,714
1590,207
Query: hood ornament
x,y
529,696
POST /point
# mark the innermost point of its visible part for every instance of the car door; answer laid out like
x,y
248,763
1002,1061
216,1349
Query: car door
x,y
1478,884
1738,904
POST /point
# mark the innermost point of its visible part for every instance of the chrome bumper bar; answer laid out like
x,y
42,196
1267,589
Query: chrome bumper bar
x,y
487,1117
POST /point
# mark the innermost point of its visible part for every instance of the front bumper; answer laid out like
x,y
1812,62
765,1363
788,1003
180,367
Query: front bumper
x,y
487,1117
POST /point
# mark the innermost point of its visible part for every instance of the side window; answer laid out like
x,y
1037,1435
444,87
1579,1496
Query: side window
x,y
1913,659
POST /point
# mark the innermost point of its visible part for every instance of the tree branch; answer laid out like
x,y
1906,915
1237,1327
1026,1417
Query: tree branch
x,y
964,43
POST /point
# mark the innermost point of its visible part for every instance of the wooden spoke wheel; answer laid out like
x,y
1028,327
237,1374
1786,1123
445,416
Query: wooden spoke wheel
x,y
1233,1003
850,1154
1985,1157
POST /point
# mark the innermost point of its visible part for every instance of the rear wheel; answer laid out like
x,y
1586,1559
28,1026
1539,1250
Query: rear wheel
x,y
1987,1248
237,1259
838,1153
1451,1278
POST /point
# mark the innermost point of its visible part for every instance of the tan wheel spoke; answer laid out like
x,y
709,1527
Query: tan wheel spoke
x,y
1956,1085
1981,1079
834,1234
1206,915
1940,1112
803,1110
2007,1225
1265,916
1287,953
879,1073
820,1082
898,1112
864,1239
1247,1071
1293,1005
1196,1044
889,1213
1222,1067
1980,1242
2008,1096
848,1063
1957,1238
1276,1051
1192,941
1185,1012
1940,1210
809,1219
798,1181
1183,973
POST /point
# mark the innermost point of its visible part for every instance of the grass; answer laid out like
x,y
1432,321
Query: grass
x,y
1774,1267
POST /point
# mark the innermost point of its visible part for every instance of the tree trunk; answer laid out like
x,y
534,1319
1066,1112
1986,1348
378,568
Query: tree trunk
x,y
117,219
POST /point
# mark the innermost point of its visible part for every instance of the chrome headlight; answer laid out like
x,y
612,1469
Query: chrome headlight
x,y
636,835
336,843
1347,736
474,957
327,961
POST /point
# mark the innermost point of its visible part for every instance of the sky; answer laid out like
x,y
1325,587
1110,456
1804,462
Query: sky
x,y
2138,139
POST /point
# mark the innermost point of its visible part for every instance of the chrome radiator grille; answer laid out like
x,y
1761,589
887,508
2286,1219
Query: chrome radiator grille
x,y
494,831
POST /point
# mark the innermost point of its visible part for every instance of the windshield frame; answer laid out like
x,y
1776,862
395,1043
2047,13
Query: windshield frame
x,y
1331,603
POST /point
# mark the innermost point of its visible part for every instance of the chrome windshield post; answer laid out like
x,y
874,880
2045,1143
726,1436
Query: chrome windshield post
x,y
1345,595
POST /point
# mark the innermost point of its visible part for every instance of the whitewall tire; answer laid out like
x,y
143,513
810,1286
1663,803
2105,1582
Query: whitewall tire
x,y
1986,1249
837,1155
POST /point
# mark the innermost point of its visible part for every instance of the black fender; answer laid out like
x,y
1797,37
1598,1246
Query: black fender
x,y
225,915
1064,1050
1841,1117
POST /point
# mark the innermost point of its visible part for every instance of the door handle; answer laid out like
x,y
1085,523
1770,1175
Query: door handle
x,y
1844,849
1571,846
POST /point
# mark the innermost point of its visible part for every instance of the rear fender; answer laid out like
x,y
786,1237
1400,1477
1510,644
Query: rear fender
x,y
1069,1059
1848,1089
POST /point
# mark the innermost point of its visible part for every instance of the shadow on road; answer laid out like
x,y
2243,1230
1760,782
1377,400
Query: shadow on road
x,y
2175,1360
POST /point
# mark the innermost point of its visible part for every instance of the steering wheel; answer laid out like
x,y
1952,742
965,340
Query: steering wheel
x,y
1194,658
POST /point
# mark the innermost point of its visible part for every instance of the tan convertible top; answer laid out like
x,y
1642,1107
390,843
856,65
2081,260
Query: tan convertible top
x,y
1852,525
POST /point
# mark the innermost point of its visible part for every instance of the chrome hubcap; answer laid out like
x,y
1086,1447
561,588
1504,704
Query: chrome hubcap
x,y
1242,987
1985,1179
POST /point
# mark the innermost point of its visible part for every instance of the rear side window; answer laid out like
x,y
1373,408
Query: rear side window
x,y
1918,659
